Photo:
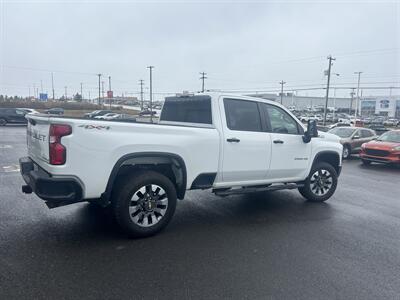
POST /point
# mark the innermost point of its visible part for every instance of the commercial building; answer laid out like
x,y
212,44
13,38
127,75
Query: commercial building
x,y
308,102
388,106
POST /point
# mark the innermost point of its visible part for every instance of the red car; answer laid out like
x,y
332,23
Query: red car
x,y
385,149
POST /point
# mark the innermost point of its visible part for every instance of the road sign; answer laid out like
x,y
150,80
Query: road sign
x,y
43,97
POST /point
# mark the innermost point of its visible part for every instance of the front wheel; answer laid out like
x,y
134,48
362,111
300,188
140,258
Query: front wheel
x,y
320,184
3,122
346,152
144,203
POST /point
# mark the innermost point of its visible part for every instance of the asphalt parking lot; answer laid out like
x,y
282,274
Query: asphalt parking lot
x,y
264,246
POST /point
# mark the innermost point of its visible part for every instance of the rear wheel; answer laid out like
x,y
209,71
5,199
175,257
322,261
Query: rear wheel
x,y
3,122
144,203
346,152
320,184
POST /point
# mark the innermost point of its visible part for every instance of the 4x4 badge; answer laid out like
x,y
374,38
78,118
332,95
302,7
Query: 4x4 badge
x,y
98,127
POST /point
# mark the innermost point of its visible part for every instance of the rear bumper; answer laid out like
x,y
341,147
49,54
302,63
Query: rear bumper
x,y
56,192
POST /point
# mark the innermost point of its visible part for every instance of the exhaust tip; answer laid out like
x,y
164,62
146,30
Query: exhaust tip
x,y
26,189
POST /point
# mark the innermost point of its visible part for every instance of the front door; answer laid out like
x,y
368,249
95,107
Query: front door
x,y
290,155
246,145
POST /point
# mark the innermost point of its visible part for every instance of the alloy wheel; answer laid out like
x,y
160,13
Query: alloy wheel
x,y
148,205
321,182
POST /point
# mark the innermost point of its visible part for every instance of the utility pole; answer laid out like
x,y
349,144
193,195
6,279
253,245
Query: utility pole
x,y
99,88
282,83
41,86
52,84
102,89
141,93
203,76
89,97
81,92
358,95
109,88
352,93
330,58
151,93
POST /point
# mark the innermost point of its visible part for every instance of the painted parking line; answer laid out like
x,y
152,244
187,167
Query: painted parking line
x,y
6,147
10,168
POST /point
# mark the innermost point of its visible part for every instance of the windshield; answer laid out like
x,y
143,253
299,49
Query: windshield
x,y
390,136
342,132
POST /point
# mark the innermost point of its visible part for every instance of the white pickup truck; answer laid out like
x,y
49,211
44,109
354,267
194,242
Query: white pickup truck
x,y
228,143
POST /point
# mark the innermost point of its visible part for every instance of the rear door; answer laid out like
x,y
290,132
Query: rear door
x,y
246,146
290,155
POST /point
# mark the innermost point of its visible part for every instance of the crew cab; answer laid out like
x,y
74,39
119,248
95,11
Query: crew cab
x,y
226,143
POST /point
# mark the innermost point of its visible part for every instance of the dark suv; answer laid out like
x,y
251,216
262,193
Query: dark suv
x,y
12,116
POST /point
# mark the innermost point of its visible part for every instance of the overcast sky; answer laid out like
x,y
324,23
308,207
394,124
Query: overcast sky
x,y
241,46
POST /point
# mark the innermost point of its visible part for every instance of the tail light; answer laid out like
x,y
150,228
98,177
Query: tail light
x,y
57,151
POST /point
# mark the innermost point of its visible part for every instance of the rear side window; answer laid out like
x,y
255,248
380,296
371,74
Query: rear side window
x,y
242,115
366,133
194,109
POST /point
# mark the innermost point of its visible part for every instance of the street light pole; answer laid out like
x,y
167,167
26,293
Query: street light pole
x,y
151,93
98,102
52,84
141,93
109,88
358,95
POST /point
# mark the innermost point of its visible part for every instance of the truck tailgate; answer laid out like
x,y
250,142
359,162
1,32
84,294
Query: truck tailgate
x,y
37,138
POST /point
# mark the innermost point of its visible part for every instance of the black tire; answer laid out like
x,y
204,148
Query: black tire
x,y
122,203
3,122
346,152
365,162
307,191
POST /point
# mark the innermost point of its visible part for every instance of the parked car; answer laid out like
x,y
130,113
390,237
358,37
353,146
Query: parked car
x,y
147,112
12,116
108,116
385,149
96,113
352,138
218,141
55,111
391,122
126,117
378,128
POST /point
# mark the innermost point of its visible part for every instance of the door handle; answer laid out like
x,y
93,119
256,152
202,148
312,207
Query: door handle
x,y
278,142
233,140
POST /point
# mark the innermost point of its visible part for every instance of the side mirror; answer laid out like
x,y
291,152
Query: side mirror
x,y
356,137
311,132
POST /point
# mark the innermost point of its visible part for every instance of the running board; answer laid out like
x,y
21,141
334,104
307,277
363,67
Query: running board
x,y
254,189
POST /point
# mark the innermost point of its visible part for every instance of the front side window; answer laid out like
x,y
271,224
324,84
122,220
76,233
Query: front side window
x,y
242,115
280,121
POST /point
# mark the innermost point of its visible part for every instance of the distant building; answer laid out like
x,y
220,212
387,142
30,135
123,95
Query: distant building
x,y
381,105
307,102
